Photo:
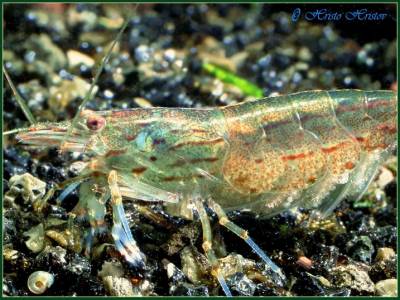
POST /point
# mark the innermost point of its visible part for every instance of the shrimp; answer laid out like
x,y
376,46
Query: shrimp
x,y
309,149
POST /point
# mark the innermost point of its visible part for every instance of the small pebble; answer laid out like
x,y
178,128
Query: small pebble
x,y
386,288
304,262
76,58
353,277
118,286
384,254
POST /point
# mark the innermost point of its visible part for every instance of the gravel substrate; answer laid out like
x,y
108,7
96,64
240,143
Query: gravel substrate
x,y
52,51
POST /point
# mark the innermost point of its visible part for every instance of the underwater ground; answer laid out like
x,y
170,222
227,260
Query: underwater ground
x,y
167,57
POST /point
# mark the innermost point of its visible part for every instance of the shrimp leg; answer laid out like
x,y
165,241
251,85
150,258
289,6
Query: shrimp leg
x,y
207,245
69,185
93,207
243,234
121,232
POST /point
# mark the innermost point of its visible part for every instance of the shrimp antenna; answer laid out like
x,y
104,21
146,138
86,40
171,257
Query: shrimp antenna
x,y
19,98
90,94
15,131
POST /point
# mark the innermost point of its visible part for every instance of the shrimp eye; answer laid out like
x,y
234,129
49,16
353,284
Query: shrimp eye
x,y
95,123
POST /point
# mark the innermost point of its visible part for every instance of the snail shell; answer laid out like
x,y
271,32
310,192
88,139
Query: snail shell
x,y
40,281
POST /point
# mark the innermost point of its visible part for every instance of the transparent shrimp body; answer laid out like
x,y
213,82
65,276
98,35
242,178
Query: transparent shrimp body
x,y
308,149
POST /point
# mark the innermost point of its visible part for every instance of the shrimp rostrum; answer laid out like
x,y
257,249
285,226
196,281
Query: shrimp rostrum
x,y
308,149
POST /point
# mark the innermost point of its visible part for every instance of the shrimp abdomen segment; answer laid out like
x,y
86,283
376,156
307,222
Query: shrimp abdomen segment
x,y
269,149
371,116
308,141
